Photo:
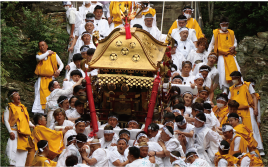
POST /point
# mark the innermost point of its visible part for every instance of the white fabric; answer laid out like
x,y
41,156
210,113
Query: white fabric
x,y
177,59
194,56
188,80
73,114
83,10
155,139
102,26
200,163
222,163
69,111
73,132
206,139
70,150
188,110
154,146
188,129
107,145
207,82
188,45
154,31
141,20
213,74
245,162
114,156
140,162
37,107
15,157
69,73
172,145
101,156
70,17
65,123
255,128
191,36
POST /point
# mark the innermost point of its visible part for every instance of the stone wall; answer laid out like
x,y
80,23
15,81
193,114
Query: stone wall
x,y
253,60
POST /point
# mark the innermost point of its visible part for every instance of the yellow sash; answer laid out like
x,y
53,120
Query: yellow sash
x,y
223,41
19,115
115,11
220,113
242,147
40,161
247,134
229,158
151,11
46,69
54,138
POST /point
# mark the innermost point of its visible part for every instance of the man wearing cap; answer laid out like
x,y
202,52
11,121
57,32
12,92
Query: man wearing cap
x,y
206,141
115,13
17,121
109,138
117,157
224,43
225,159
193,159
184,44
185,129
191,22
237,143
182,21
149,27
46,69
98,156
169,144
244,94
100,24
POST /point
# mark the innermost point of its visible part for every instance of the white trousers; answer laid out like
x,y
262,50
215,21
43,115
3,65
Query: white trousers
x,y
50,118
37,107
16,157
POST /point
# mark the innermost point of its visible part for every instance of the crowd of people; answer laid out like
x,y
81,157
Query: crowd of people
x,y
194,131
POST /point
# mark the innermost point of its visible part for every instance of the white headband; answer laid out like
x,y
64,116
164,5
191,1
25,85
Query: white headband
x,y
181,122
84,49
140,135
199,120
133,121
198,110
123,140
143,146
198,76
13,93
182,19
80,141
222,147
113,117
203,90
221,98
184,29
63,100
148,17
187,92
96,143
169,122
41,149
188,9
174,156
74,138
204,70
108,131
176,78
79,122
173,69
190,156
212,55
226,128
86,33
167,131
224,23
176,110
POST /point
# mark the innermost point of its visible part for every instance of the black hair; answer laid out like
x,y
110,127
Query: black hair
x,y
137,26
37,117
124,131
42,41
108,127
76,72
84,46
91,51
71,138
51,85
98,7
41,144
226,146
201,116
135,151
77,103
179,77
198,106
11,91
86,117
81,137
61,99
190,153
205,67
77,88
177,89
179,106
207,106
176,153
140,133
112,114
174,66
72,98
236,74
179,118
224,19
187,7
77,56
182,17
235,115
170,129
79,120
169,115
154,127
223,95
90,15
251,80
237,154
71,160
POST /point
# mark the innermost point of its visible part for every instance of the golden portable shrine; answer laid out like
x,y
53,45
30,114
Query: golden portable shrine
x,y
127,70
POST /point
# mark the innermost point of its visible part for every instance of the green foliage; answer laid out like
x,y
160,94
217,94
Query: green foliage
x,y
4,74
246,18
4,138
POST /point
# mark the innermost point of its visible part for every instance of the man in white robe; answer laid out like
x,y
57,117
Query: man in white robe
x,y
100,24
182,21
153,30
206,141
134,158
117,157
177,58
109,138
184,45
37,107
193,159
